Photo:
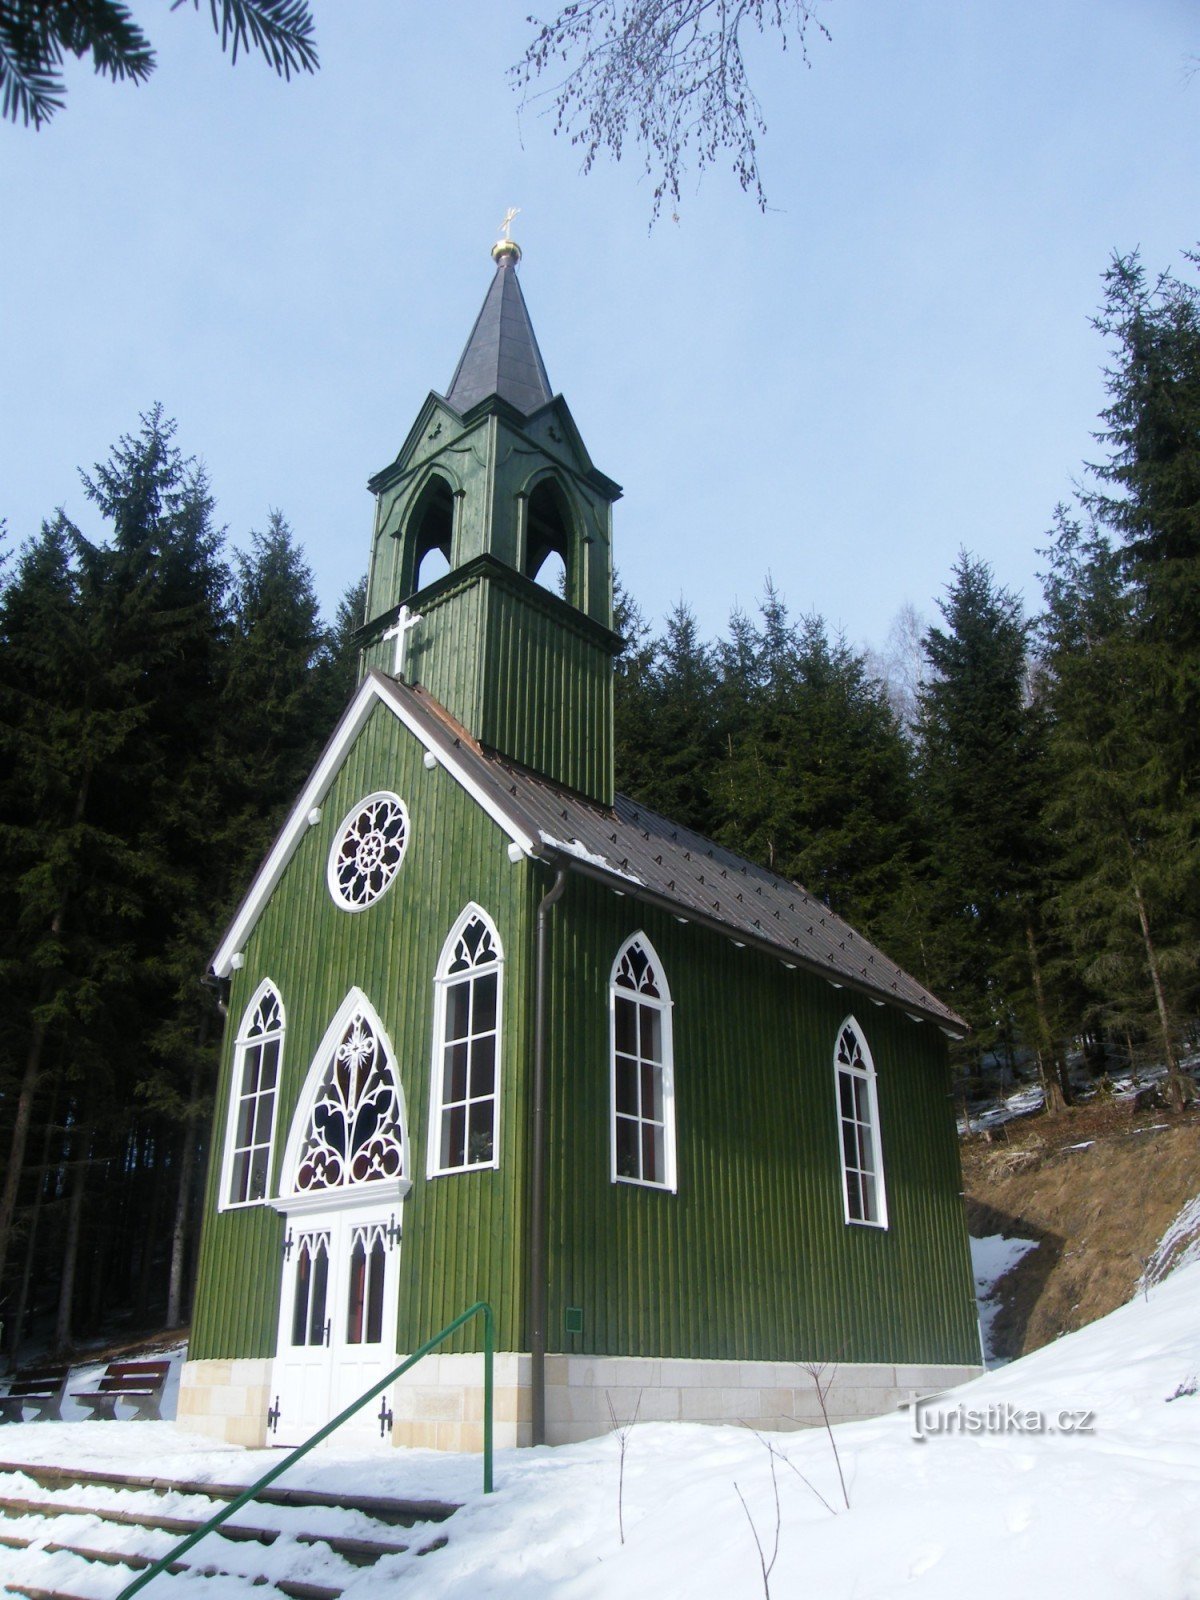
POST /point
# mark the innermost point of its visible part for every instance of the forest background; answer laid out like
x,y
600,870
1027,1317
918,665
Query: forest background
x,y
1007,803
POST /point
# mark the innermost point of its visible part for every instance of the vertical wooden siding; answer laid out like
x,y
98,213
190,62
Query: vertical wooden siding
x,y
519,680
752,1258
463,1234
547,695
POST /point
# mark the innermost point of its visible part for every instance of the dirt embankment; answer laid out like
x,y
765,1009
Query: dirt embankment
x,y
1097,1188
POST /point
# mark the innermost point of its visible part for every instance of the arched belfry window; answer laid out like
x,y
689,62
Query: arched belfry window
x,y
547,557
464,1125
643,1076
349,1128
253,1100
431,532
858,1124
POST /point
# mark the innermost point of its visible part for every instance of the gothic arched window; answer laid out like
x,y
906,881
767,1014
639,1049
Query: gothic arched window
x,y
355,1129
431,533
253,1100
464,1127
858,1121
548,538
643,1077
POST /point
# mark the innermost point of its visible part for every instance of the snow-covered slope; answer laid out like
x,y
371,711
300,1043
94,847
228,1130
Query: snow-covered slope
x,y
1112,1513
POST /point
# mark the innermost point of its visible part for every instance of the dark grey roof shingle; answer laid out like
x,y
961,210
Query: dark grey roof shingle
x,y
502,355
647,856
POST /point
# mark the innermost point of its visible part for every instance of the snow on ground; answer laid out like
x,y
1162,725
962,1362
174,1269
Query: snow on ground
x,y
989,1505
1178,1247
991,1258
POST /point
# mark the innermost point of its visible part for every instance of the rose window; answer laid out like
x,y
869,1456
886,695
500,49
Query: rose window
x,y
368,851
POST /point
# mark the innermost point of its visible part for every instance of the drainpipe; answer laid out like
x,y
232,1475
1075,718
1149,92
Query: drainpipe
x,y
219,988
537,1206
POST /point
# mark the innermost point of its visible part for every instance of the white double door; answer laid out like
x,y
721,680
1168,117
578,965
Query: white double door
x,y
337,1317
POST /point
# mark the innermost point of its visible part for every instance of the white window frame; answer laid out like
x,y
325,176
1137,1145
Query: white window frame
x,y
242,1046
293,1200
865,1074
665,1006
443,982
331,862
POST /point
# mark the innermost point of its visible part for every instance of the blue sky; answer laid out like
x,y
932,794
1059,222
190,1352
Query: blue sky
x,y
894,362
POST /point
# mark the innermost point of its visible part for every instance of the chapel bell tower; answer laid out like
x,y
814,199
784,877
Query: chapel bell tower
x,y
494,529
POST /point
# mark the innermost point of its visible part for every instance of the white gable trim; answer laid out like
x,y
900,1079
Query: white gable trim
x,y
374,690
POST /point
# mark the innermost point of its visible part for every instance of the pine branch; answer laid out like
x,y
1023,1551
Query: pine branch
x,y
31,86
282,30
106,31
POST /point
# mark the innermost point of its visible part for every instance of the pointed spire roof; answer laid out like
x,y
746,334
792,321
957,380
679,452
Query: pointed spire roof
x,y
502,356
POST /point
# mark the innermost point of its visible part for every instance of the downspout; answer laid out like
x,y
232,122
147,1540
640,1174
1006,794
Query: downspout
x,y
537,1205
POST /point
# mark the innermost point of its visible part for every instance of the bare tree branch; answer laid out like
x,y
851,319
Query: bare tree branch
x,y
670,74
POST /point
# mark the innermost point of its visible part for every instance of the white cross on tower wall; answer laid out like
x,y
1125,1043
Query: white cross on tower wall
x,y
405,621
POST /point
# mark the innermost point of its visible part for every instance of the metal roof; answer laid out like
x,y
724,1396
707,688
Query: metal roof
x,y
646,856
502,356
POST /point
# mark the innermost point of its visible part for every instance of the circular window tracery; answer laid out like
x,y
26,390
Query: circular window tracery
x,y
368,850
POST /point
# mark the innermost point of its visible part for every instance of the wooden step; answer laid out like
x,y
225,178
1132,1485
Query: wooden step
x,y
396,1513
180,1526
294,1591
361,1551
358,1551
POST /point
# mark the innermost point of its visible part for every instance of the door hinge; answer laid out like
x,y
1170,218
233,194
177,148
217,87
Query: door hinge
x,y
325,1335
385,1418
287,1246
392,1232
273,1416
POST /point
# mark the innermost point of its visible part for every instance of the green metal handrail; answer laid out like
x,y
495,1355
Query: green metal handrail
x,y
489,1346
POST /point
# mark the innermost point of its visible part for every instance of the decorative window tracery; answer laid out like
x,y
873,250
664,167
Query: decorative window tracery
x,y
368,850
858,1118
466,1064
251,1128
355,1131
643,1082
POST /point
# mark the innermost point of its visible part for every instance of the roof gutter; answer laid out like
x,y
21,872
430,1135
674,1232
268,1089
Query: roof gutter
x,y
950,1024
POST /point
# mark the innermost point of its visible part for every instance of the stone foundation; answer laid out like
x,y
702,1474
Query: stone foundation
x,y
227,1400
772,1395
439,1404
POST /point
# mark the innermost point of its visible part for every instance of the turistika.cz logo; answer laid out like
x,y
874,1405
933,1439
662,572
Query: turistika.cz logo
x,y
931,1419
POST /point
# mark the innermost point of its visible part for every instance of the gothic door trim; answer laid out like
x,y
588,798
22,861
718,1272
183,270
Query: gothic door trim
x,y
343,1181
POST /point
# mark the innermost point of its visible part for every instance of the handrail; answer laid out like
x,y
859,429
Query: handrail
x,y
489,1344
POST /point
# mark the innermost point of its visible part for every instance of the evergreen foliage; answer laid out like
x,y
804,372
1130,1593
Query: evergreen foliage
x,y
36,36
157,713
779,743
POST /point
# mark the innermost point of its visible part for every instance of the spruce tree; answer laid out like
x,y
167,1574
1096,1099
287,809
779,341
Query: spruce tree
x,y
981,786
680,708
815,780
1128,846
274,708
635,751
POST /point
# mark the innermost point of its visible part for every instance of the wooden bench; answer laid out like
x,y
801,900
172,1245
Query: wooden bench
x,y
41,1388
138,1382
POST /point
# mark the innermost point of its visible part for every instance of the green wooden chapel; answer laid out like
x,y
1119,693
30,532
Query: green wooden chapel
x,y
496,1032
